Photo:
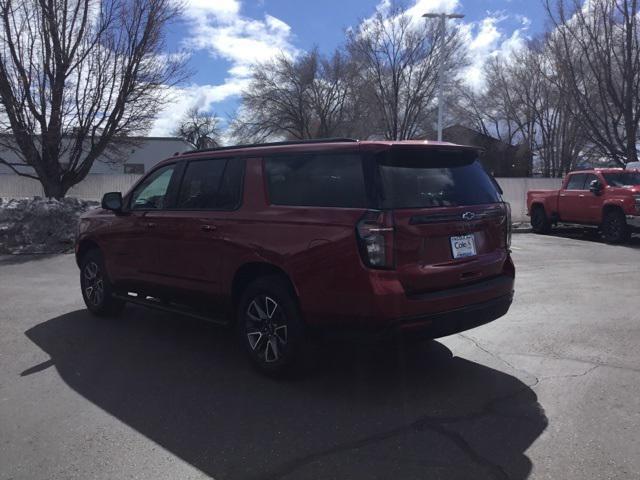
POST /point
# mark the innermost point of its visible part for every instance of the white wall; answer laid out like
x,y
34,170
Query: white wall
x,y
515,192
145,150
92,188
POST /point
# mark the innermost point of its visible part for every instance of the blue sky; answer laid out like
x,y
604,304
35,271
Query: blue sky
x,y
224,37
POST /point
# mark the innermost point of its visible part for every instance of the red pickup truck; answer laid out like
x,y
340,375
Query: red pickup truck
x,y
605,197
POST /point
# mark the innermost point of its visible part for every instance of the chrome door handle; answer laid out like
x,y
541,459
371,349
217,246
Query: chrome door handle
x,y
151,225
582,195
208,228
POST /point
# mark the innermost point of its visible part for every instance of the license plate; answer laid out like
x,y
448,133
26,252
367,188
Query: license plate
x,y
463,246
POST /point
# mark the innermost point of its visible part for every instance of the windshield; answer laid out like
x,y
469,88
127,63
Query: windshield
x,y
622,179
434,178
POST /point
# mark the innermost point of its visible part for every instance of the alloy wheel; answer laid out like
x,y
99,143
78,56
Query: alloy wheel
x,y
266,328
93,283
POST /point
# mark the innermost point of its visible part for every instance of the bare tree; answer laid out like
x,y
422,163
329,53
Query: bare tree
x,y
306,97
397,62
76,78
597,48
200,129
523,105
558,138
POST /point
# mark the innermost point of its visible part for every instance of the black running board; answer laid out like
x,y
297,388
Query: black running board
x,y
170,308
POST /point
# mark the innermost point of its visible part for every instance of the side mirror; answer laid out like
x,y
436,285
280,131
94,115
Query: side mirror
x,y
112,201
595,187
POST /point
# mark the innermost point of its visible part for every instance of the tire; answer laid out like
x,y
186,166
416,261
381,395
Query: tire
x,y
270,326
539,221
614,227
96,287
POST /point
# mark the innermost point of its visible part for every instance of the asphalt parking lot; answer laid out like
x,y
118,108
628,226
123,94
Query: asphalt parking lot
x,y
550,391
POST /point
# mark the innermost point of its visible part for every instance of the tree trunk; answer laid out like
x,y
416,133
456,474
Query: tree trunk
x,y
53,189
632,151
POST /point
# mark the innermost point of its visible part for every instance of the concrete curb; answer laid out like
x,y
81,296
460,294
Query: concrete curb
x,y
521,227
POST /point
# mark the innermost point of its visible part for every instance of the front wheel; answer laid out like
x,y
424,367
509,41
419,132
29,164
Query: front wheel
x,y
614,227
97,290
269,326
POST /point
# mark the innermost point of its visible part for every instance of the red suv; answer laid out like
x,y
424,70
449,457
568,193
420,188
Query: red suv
x,y
290,238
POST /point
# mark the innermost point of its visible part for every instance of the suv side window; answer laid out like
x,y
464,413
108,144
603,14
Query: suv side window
x,y
333,180
576,182
151,194
214,184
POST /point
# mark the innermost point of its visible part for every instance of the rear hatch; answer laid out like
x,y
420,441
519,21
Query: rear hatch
x,y
451,225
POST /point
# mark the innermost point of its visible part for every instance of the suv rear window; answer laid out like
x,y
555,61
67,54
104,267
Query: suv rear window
x,y
421,178
328,180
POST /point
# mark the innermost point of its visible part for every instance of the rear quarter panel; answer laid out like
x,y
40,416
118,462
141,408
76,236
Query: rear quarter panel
x,y
547,198
315,246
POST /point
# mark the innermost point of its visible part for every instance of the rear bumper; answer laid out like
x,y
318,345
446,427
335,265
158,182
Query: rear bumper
x,y
454,321
378,304
428,315
425,326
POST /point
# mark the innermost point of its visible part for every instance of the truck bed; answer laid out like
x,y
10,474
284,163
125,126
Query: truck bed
x,y
547,198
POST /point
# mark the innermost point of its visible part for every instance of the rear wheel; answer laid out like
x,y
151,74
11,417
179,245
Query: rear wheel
x,y
539,221
97,290
270,326
614,227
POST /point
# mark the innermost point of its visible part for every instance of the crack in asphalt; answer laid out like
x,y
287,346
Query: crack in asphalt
x,y
497,356
594,364
572,375
434,424
579,360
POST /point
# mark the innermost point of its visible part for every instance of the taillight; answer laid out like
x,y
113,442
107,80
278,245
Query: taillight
x,y
507,225
375,238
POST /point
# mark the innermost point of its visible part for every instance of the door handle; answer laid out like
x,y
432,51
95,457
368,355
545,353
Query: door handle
x,y
207,228
582,195
151,225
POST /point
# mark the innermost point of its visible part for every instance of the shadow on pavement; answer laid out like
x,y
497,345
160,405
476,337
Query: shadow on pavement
x,y
591,235
19,259
363,412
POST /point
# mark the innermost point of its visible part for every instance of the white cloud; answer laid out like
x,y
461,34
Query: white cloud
x,y
219,28
222,9
485,39
201,96
433,6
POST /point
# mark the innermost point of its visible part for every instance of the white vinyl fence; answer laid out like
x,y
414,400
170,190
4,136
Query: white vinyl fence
x,y
515,192
91,188
95,185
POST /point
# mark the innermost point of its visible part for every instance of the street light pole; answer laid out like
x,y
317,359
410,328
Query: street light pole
x,y
443,18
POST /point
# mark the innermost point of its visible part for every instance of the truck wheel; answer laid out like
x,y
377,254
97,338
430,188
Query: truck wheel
x,y
614,227
97,290
539,221
270,326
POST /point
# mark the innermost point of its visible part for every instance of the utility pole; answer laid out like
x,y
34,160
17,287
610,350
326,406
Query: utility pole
x,y
443,28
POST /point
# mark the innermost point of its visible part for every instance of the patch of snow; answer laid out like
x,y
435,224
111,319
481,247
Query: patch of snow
x,y
40,225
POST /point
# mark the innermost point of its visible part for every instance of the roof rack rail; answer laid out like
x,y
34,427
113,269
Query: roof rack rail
x,y
276,144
